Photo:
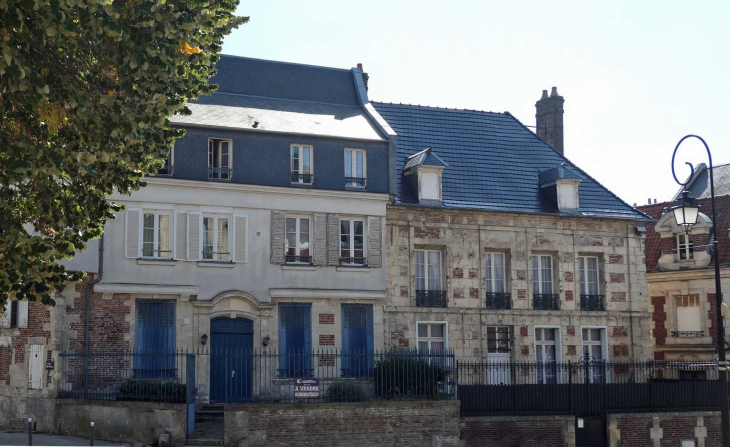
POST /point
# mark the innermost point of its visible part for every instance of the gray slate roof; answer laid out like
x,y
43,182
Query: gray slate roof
x,y
268,96
424,158
557,173
493,162
700,185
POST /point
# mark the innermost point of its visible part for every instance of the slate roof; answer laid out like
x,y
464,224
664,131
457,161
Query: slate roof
x,y
493,162
700,185
424,158
558,173
269,96
653,241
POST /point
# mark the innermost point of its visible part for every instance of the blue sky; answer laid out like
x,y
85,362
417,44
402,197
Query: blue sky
x,y
636,76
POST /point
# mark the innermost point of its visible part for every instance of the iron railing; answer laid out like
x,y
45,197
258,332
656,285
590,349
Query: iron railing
x,y
292,259
220,173
545,301
498,301
592,303
687,334
430,298
305,179
249,376
356,261
355,181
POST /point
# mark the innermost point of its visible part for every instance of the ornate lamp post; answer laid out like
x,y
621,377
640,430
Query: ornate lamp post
x,y
685,211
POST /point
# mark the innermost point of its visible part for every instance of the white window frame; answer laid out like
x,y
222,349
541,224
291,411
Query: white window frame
x,y
297,226
353,167
558,348
426,265
685,301
353,219
446,333
156,232
583,284
688,249
216,254
490,279
540,290
230,158
300,170
604,347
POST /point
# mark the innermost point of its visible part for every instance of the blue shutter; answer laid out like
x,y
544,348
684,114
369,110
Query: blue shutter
x,y
154,342
295,339
357,340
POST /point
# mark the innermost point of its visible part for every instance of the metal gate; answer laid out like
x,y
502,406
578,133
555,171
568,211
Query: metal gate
x,y
590,431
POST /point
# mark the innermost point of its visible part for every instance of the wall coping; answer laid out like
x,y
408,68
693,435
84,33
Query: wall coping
x,y
663,415
557,417
342,405
121,403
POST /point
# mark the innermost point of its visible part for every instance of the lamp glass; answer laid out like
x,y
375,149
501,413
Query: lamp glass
x,y
685,212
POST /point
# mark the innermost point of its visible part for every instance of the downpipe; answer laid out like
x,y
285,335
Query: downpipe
x,y
87,316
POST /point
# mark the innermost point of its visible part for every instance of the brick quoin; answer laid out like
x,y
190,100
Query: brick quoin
x,y
525,350
473,273
523,331
427,233
568,295
571,349
659,356
458,293
615,259
521,275
473,292
620,331
571,330
326,318
6,355
659,317
458,273
404,271
326,360
618,296
403,291
617,278
522,294
620,350
712,313
568,276
326,340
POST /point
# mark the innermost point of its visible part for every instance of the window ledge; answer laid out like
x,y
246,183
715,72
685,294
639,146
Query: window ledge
x,y
150,261
217,264
353,269
300,267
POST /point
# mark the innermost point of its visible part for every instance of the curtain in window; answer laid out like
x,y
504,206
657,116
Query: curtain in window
x,y
420,270
148,236
207,238
434,270
547,274
222,239
295,340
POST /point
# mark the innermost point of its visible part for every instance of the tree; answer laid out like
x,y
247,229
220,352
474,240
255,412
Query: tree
x,y
86,91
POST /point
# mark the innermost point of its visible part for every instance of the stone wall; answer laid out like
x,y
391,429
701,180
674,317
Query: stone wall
x,y
536,431
400,424
664,429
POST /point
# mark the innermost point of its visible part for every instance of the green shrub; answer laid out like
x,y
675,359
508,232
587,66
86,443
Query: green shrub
x,y
407,376
345,391
152,390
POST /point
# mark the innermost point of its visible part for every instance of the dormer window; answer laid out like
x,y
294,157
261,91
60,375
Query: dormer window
x,y
685,247
430,185
559,186
423,171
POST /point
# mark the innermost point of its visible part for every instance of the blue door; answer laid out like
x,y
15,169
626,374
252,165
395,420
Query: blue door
x,y
231,359
154,339
295,340
357,340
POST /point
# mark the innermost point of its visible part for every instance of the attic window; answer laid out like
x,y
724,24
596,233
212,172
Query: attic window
x,y
560,186
567,195
423,172
685,248
430,189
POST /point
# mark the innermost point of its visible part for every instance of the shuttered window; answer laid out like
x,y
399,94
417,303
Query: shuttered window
x,y
295,339
154,338
35,367
357,340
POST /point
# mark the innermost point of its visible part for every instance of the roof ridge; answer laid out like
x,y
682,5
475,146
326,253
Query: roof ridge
x,y
441,108
283,99
284,63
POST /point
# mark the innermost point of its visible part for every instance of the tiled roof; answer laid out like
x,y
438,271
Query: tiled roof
x,y
493,161
424,158
653,241
557,173
700,185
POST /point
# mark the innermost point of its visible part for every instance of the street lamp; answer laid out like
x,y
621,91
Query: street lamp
x,y
685,211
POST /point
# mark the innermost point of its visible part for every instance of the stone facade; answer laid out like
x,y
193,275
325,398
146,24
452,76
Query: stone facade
x,y
464,237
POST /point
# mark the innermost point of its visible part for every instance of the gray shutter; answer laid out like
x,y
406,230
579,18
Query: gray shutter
x,y
23,313
320,239
277,236
6,313
375,240
181,235
193,236
132,232
333,239
240,225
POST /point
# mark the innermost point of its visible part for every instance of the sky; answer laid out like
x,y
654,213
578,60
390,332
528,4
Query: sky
x,y
636,76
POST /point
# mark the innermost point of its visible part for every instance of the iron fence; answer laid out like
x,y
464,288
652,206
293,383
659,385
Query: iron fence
x,y
498,300
430,298
247,376
545,301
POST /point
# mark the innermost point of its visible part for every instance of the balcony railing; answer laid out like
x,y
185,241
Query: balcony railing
x,y
304,179
430,298
545,301
688,334
591,302
358,182
292,259
498,301
358,262
220,173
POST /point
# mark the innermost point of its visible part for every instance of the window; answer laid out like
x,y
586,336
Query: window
x,y
154,334
498,340
494,272
295,340
430,188
546,350
357,340
219,159
297,240
593,348
428,270
167,168
355,167
352,241
301,164
15,314
588,266
685,247
215,239
156,236
432,337
542,274
689,317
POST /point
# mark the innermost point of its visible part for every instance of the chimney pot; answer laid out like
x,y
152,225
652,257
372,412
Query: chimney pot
x,y
554,92
549,117
544,94
359,66
649,200
654,201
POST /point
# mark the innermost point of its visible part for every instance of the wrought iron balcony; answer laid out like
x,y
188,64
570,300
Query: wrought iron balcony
x,y
359,262
358,182
592,302
292,259
545,301
305,179
688,334
220,173
430,298
498,301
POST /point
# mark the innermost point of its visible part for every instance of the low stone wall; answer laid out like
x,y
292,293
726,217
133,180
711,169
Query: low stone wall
x,y
397,424
523,431
664,429
15,411
122,421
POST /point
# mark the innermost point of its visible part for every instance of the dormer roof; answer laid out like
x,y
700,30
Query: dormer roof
x,y
562,172
424,158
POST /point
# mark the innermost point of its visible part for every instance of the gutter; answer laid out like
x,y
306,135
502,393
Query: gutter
x,y
87,316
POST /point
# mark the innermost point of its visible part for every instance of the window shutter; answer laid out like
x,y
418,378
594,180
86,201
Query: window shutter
x,y
320,239
23,313
181,235
193,236
375,241
35,367
333,239
6,314
277,237
132,232
240,227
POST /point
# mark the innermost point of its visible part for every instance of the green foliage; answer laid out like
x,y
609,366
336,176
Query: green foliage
x,y
152,390
345,391
407,376
86,91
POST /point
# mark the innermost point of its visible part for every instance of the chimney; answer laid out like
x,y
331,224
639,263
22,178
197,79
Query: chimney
x,y
549,115
365,76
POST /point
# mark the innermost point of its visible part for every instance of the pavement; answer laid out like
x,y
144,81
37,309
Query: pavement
x,y
21,438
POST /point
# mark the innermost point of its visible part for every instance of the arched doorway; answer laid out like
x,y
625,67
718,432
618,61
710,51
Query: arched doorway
x,y
231,359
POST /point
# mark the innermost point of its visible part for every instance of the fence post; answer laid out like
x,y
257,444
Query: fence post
x,y
30,431
570,387
91,437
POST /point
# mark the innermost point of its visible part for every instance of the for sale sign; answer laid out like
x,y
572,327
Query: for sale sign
x,y
306,388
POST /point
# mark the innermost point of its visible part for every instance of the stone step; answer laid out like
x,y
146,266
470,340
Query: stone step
x,y
204,441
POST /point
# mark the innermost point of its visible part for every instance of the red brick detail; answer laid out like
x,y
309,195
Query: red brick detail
x,y
617,278
473,293
523,331
473,273
471,255
326,360
521,275
404,271
568,295
6,355
568,276
525,350
403,291
620,350
427,233
571,330
621,369
712,313
403,343
458,273
326,340
522,294
571,350
403,248
659,317
620,331
618,296
659,356
458,293
526,432
326,318
615,259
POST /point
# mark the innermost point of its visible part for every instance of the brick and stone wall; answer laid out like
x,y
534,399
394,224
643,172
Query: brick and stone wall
x,y
394,423
664,429
536,431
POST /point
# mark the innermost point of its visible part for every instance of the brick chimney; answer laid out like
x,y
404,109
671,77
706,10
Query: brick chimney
x,y
549,115
365,76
